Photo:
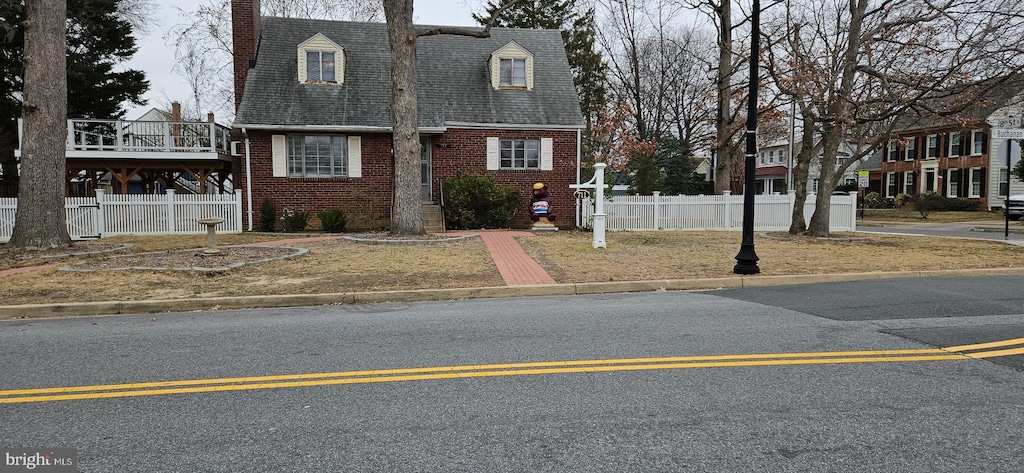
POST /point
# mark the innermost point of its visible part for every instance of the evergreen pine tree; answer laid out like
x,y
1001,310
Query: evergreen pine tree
x,y
98,40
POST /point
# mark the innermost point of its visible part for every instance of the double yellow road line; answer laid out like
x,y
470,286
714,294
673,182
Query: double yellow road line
x,y
962,352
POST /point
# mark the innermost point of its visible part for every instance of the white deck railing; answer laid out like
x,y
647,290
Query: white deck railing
x,y
136,214
140,136
714,212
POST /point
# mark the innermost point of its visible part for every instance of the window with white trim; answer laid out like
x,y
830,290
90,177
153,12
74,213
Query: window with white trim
x,y
1004,182
894,150
952,182
933,146
814,186
890,184
513,73
977,175
317,156
955,146
911,152
978,141
320,66
910,183
520,154
771,157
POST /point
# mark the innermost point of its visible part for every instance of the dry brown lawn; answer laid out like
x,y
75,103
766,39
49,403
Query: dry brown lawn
x,y
339,266
911,215
568,256
334,266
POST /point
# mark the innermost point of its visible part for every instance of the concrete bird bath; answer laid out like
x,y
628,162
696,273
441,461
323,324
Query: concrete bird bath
x,y
211,234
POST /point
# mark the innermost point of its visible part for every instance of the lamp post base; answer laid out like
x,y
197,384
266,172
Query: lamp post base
x,y
746,261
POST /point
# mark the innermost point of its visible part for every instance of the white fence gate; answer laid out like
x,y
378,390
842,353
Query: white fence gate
x,y
137,214
714,212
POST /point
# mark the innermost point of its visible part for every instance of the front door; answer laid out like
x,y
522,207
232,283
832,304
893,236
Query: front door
x,y
425,169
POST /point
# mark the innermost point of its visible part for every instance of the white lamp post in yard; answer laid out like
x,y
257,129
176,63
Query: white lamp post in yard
x,y
596,183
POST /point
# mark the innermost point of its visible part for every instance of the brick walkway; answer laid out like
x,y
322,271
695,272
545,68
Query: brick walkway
x,y
515,266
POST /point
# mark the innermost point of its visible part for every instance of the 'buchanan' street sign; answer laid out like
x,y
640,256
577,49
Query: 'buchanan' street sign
x,y
1008,133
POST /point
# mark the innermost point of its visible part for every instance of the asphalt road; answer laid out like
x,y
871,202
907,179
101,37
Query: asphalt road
x,y
779,397
985,230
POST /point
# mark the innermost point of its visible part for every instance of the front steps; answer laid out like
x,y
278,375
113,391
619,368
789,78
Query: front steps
x,y
433,220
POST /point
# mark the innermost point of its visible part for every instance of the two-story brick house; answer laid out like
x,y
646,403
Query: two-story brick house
x,y
954,155
313,111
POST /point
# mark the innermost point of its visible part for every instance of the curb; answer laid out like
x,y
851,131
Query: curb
x,y
33,311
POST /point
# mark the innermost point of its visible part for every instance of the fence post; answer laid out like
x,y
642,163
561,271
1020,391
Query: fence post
x,y
728,214
101,224
853,212
71,135
657,210
238,210
170,211
792,206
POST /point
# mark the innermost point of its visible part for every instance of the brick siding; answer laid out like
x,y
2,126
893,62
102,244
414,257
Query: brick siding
x,y
367,199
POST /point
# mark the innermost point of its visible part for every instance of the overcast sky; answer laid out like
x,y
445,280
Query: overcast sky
x,y
155,58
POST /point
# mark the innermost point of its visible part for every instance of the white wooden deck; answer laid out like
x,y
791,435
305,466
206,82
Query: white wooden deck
x,y
143,140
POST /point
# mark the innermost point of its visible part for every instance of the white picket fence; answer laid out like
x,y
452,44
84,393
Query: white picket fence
x,y
714,212
137,214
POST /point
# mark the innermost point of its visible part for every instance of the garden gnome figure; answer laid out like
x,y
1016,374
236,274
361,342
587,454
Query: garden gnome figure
x,y
541,210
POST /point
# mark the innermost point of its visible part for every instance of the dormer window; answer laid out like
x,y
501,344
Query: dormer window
x,y
321,61
320,66
513,73
512,68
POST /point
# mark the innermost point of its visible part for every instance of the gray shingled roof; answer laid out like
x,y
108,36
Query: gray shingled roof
x,y
983,99
454,83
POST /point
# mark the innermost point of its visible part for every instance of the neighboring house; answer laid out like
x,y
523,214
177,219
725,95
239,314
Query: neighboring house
x,y
146,155
954,156
773,168
313,109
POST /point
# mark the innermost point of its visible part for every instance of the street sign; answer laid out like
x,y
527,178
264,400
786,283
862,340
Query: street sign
x,y
1008,133
863,178
1010,122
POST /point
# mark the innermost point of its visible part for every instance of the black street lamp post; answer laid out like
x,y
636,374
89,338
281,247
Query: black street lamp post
x,y
746,259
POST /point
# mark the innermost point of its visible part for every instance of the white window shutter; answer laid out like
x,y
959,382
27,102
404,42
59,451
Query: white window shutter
x,y
355,156
546,154
493,162
279,154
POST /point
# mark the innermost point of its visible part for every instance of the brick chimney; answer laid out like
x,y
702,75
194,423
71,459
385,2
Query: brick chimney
x,y
245,36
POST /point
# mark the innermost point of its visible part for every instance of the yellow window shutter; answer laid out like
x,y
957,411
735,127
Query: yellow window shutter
x,y
355,156
279,155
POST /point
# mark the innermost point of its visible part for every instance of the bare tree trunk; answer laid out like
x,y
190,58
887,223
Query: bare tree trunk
x,y
406,217
723,148
802,166
40,221
835,132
